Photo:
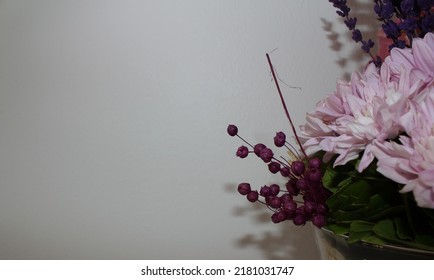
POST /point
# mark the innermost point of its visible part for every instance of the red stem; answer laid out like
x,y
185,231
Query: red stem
x,y
284,105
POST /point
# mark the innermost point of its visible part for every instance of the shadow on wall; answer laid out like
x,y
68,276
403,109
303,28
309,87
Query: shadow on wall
x,y
283,241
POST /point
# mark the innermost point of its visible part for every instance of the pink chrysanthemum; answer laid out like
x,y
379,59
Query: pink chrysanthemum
x,y
373,107
410,161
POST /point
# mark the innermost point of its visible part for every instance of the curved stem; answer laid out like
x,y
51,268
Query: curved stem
x,y
284,105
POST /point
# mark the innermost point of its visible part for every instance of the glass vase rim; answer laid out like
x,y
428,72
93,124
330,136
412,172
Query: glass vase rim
x,y
394,247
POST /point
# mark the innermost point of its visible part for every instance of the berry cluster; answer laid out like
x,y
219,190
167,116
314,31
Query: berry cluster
x,y
304,196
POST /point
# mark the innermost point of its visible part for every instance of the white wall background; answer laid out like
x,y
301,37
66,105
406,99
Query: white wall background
x,y
113,120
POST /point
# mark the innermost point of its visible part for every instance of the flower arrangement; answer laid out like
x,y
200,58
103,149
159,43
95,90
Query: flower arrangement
x,y
364,166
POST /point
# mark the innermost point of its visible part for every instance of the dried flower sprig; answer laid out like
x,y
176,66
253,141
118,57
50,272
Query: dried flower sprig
x,y
402,20
343,10
305,196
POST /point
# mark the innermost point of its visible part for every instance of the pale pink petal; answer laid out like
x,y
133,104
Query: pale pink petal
x,y
424,196
424,55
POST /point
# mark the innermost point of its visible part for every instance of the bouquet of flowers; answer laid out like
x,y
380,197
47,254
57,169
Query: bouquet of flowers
x,y
364,166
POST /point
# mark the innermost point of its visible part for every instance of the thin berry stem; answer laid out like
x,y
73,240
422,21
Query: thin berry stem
x,y
244,141
284,163
284,105
292,150
287,163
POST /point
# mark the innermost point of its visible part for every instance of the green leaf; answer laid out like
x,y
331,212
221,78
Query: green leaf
x,y
358,191
345,182
363,231
339,228
336,177
402,229
328,179
425,240
382,205
367,206
386,230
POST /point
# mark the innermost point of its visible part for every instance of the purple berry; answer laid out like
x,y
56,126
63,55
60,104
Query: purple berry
x,y
278,217
315,163
232,130
275,189
258,148
265,191
266,155
310,207
274,167
292,188
299,220
315,175
302,184
244,188
297,167
242,152
279,139
319,220
274,202
275,218
290,206
322,209
301,210
252,196
286,197
285,171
